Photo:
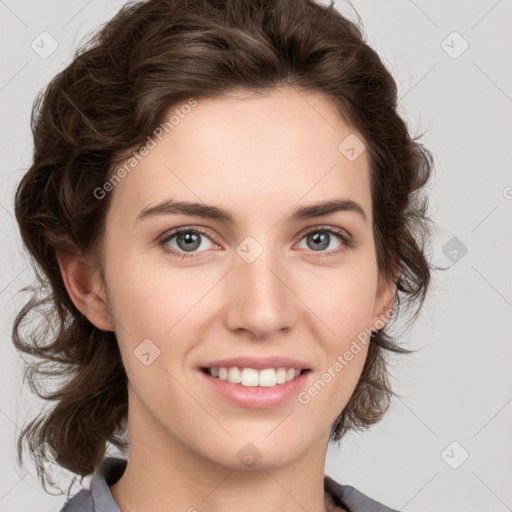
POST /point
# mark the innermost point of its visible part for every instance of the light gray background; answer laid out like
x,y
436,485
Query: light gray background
x,y
457,387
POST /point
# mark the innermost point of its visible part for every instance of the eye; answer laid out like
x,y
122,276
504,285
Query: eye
x,y
320,239
185,240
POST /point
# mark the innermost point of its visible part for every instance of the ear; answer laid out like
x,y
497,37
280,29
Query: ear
x,y
85,289
384,300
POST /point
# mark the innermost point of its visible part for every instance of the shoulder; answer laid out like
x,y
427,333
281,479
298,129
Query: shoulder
x,y
98,497
80,502
351,498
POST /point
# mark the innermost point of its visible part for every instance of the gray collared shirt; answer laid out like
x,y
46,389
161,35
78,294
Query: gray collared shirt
x,y
98,497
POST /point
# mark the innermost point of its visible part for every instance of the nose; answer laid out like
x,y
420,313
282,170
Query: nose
x,y
260,300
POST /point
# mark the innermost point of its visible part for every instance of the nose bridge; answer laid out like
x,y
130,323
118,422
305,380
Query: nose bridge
x,y
261,302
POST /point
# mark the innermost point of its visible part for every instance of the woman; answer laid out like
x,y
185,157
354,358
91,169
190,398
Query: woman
x,y
226,210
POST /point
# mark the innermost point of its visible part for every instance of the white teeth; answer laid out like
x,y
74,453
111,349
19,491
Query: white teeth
x,y
268,377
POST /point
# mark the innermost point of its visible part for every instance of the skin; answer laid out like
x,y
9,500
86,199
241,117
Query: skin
x,y
277,151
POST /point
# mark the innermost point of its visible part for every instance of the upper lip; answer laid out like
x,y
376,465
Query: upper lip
x,y
258,363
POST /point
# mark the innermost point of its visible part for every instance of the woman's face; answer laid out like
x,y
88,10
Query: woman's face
x,y
268,282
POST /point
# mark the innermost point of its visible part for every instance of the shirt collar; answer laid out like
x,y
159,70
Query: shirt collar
x,y
109,472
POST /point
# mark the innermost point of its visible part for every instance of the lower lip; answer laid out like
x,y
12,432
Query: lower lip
x,y
258,397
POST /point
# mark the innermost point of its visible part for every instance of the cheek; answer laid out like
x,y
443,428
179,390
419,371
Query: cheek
x,y
160,311
148,298
343,298
334,383
344,303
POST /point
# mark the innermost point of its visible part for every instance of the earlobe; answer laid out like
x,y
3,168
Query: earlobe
x,y
85,290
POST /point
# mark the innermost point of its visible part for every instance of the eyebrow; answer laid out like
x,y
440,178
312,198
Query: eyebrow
x,y
205,211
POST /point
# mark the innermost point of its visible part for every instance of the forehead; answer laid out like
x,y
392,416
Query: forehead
x,y
249,150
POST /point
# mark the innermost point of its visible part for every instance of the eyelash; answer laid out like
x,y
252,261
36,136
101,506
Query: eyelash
x,y
347,241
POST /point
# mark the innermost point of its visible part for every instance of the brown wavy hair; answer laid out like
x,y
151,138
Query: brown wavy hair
x,y
108,100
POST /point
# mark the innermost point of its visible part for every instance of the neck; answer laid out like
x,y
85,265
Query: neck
x,y
164,474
